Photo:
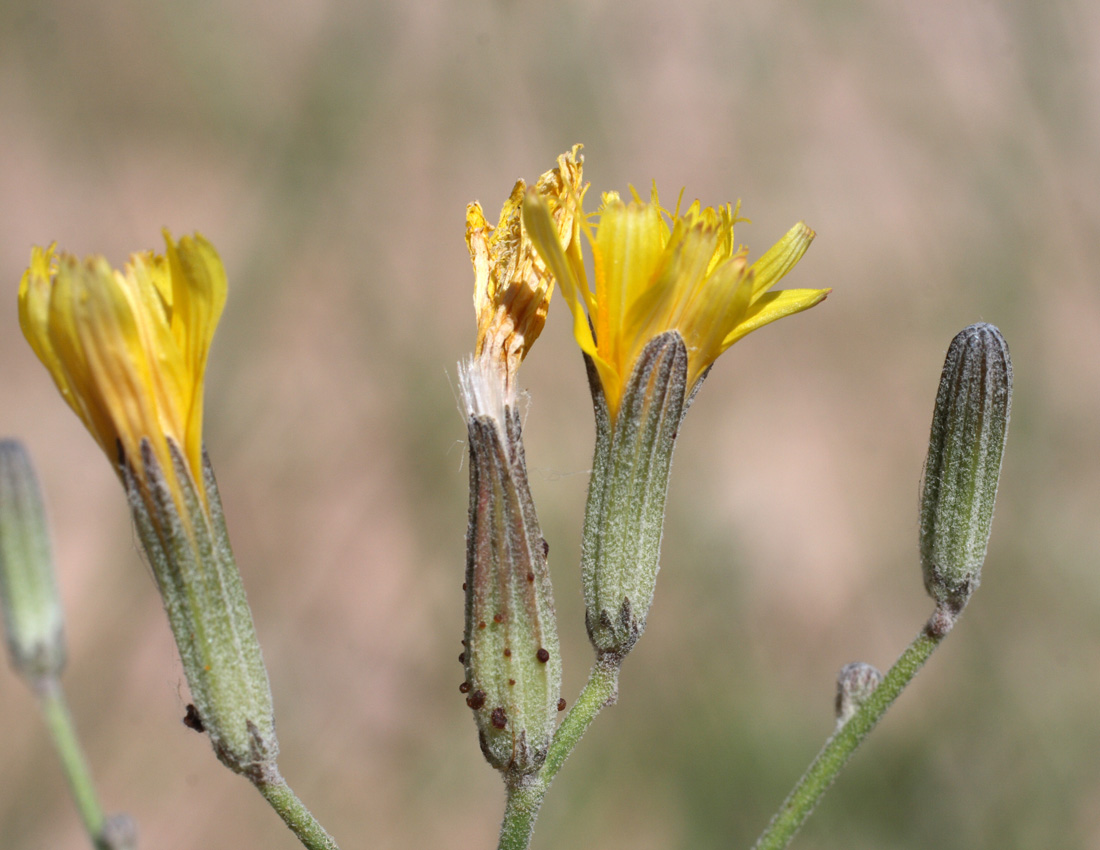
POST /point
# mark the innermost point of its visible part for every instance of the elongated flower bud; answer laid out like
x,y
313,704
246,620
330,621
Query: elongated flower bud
x,y
624,517
128,349
188,549
969,426
33,617
512,658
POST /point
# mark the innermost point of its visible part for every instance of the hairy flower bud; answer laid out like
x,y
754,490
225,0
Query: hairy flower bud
x,y
969,426
187,545
128,349
512,658
854,684
621,548
33,617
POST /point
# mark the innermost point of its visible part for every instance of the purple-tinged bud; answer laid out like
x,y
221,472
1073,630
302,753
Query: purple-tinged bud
x,y
512,658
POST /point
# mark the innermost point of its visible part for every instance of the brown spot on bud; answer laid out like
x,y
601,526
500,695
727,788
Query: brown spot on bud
x,y
561,704
476,700
498,718
464,688
542,655
192,720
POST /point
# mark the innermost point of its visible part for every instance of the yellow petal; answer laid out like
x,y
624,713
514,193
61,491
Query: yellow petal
x,y
775,305
544,236
512,285
781,257
656,272
127,349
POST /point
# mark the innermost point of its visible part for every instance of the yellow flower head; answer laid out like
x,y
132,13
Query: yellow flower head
x,y
127,349
512,286
657,271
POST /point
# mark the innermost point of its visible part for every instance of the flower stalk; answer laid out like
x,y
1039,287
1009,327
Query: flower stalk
x,y
34,623
840,747
961,476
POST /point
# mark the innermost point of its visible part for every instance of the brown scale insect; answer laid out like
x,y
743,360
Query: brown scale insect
x,y
561,704
498,618
464,688
192,720
511,681
476,700
530,576
462,658
507,652
542,655
481,625
498,718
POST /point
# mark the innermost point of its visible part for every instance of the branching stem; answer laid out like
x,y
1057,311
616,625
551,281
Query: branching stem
x,y
839,748
526,793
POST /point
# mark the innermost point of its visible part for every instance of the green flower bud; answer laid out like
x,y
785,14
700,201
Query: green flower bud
x,y
511,657
33,618
188,549
969,426
625,514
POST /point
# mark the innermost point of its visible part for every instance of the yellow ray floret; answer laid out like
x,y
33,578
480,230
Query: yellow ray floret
x,y
657,271
512,286
127,349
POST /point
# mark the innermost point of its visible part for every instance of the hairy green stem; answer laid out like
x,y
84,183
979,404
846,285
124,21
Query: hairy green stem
x,y
294,813
840,747
526,793
55,711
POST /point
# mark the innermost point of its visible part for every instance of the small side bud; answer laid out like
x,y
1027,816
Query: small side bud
x,y
33,618
512,658
119,833
624,517
854,684
969,426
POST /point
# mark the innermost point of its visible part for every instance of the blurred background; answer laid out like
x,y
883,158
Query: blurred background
x,y
947,155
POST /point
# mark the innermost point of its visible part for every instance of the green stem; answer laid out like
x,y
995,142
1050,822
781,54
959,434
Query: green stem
x,y
839,748
55,711
526,793
294,813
